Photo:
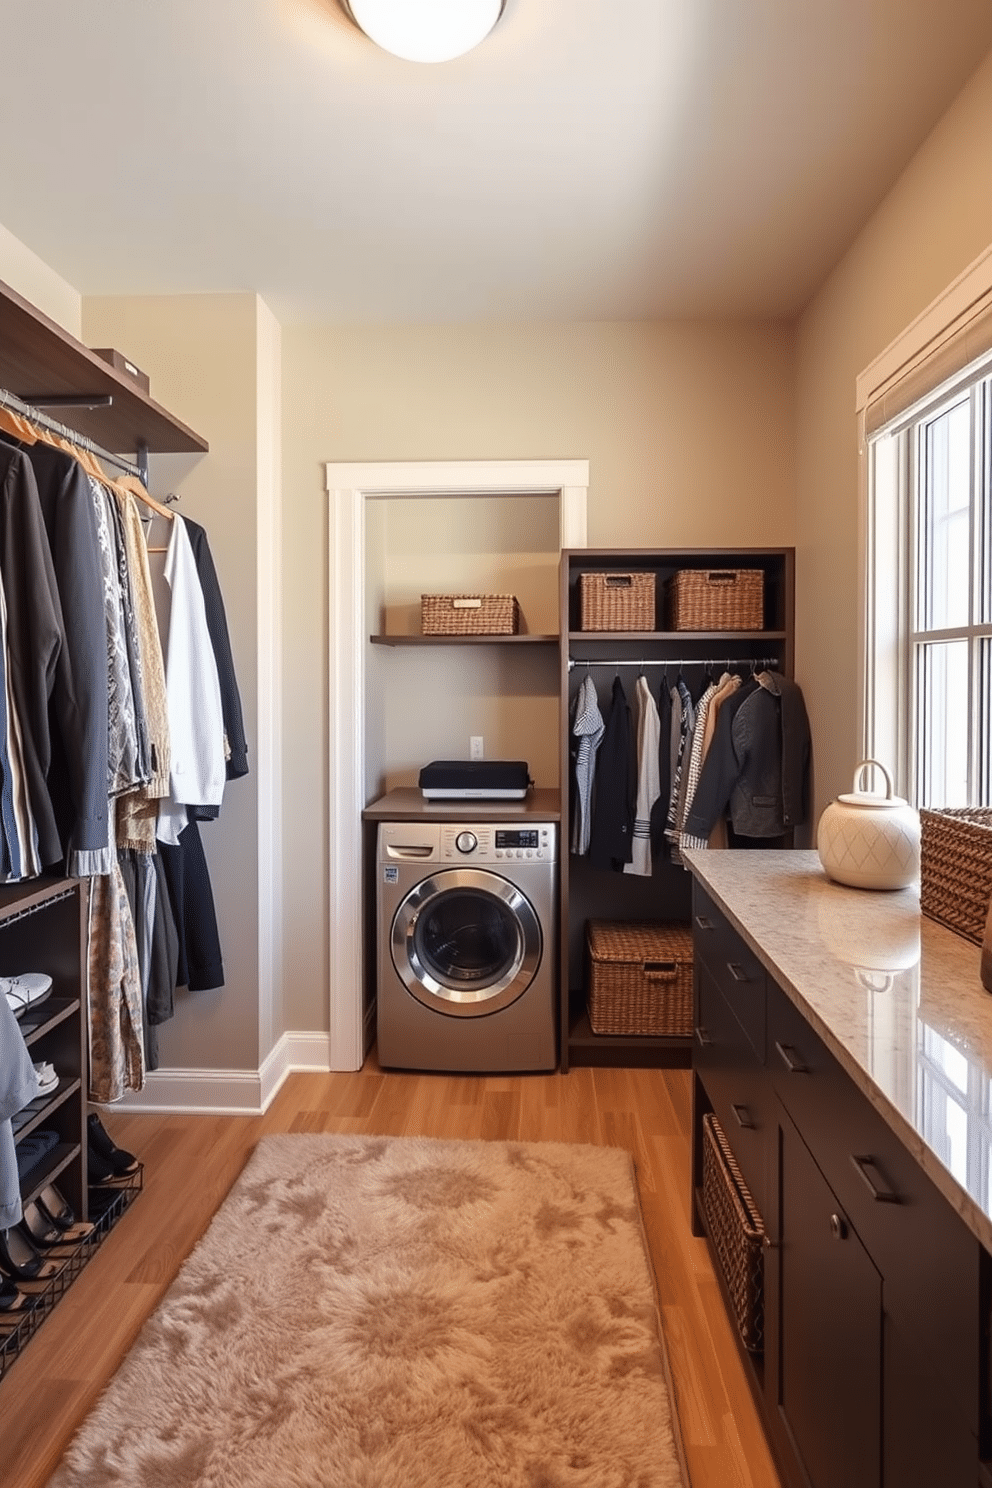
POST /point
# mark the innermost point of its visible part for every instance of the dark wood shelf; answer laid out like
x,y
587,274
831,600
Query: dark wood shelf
x,y
464,640
680,637
633,1051
37,356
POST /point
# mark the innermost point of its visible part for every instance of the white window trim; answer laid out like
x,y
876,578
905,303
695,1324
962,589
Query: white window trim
x,y
924,338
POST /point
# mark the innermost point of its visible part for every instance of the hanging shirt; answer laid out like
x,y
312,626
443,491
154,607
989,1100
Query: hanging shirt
x,y
648,782
611,838
196,720
588,728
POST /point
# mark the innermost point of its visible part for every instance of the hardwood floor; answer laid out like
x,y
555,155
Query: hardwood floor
x,y
191,1162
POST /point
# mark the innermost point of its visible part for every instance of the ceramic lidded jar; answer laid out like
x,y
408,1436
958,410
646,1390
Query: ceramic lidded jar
x,y
870,841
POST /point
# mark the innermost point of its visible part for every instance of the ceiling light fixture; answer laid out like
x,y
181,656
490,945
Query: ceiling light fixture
x,y
425,30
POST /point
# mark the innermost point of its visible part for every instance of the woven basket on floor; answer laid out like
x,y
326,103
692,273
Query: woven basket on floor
x,y
716,599
469,614
617,601
640,978
956,868
737,1232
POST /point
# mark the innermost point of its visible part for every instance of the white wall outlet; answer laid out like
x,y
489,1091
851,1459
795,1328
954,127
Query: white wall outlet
x,y
475,747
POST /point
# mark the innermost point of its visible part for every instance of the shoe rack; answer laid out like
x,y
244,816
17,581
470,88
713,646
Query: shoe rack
x,y
43,928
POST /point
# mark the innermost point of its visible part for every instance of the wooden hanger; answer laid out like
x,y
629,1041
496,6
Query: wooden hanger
x,y
132,484
19,427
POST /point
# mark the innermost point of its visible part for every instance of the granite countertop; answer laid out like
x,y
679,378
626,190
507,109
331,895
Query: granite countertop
x,y
896,997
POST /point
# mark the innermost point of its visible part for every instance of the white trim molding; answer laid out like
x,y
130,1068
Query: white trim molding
x,y
349,486
206,1092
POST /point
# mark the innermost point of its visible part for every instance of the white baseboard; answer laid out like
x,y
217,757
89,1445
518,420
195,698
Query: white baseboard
x,y
206,1092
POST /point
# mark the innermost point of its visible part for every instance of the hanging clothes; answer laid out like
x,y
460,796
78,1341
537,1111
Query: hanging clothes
x,y
236,744
757,768
648,731
614,804
198,769
683,727
659,812
78,771
588,729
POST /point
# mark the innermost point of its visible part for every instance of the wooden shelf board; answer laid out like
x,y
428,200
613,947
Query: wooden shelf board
x,y
37,356
464,640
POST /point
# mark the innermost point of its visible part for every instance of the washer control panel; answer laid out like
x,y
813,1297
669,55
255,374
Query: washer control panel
x,y
495,842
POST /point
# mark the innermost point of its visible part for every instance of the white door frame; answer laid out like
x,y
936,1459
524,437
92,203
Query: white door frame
x,y
349,486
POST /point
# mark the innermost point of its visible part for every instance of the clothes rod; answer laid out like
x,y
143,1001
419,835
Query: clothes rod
x,y
35,416
730,662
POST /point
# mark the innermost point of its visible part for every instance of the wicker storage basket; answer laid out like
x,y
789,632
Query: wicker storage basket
x,y
469,614
640,978
617,601
716,599
956,868
737,1232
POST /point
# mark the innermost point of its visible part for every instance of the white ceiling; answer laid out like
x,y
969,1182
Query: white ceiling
x,y
593,159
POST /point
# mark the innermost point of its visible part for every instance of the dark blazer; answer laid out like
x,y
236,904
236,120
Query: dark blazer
x,y
758,765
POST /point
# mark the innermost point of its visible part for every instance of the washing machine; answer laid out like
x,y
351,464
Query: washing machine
x,y
466,914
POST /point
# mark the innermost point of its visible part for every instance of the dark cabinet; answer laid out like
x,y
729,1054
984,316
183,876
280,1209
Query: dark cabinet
x,y
875,1369
829,1301
659,647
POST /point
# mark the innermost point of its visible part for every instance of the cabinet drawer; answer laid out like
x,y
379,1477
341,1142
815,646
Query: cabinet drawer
x,y
735,1084
736,970
908,1227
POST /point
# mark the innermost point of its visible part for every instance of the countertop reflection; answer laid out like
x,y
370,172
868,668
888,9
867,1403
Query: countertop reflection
x,y
895,996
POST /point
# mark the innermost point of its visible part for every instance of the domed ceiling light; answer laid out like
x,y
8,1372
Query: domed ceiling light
x,y
425,30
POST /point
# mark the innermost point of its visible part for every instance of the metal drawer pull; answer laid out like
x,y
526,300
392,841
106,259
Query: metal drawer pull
x,y
791,1059
838,1227
743,1117
737,971
704,923
703,1036
877,1186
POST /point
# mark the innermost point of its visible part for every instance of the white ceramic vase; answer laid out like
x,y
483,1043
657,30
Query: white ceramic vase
x,y
870,841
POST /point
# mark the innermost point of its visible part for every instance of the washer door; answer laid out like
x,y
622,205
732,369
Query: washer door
x,y
466,942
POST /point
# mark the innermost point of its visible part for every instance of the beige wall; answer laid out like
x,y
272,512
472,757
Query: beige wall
x,y
936,219
688,430
32,278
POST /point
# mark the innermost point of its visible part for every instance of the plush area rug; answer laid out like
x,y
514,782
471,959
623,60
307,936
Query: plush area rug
x,y
401,1313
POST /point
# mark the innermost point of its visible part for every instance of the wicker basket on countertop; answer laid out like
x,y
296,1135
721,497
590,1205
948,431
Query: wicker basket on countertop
x,y
956,868
469,614
737,1232
640,978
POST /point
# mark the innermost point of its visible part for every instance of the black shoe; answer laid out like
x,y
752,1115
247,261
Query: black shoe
x,y
114,1160
56,1208
39,1228
10,1298
21,1259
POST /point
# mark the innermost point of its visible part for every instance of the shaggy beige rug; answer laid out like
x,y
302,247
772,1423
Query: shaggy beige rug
x,y
401,1313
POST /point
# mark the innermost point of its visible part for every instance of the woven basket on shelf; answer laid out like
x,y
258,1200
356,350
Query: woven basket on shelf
x,y
640,978
716,599
469,614
617,601
956,868
737,1232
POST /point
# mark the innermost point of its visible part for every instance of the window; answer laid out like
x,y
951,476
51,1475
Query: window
x,y
929,675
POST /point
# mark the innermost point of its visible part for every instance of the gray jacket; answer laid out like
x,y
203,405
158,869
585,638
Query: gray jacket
x,y
758,764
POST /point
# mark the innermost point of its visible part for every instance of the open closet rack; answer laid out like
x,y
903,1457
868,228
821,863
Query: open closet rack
x,y
732,663
44,421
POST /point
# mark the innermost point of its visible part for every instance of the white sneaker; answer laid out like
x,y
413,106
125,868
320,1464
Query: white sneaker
x,y
28,988
48,1079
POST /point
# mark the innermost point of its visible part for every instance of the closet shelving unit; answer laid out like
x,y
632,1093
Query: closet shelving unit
x,y
585,892
43,921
